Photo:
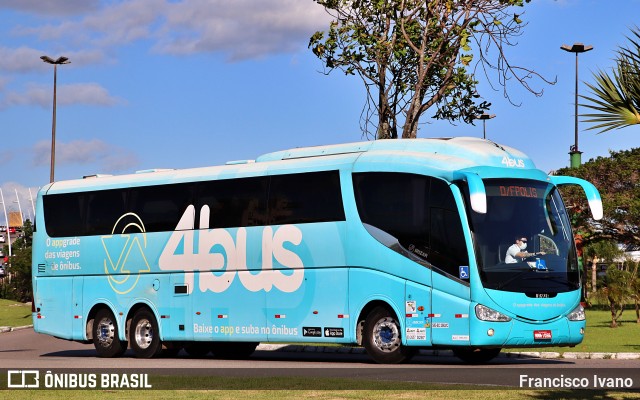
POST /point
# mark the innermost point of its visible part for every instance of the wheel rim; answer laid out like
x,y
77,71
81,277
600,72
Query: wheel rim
x,y
386,336
106,332
144,333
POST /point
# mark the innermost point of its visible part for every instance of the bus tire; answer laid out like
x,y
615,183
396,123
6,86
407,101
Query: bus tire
x,y
475,355
233,350
144,334
382,338
106,336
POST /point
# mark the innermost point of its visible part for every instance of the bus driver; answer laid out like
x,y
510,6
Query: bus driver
x,y
518,250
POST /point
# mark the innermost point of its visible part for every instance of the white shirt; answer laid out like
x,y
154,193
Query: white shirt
x,y
510,258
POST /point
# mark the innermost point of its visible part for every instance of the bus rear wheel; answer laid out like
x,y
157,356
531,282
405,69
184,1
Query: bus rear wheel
x,y
475,355
144,334
382,338
106,336
233,350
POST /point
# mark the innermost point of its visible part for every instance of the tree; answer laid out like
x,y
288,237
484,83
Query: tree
x,y
413,55
618,291
617,177
616,96
19,287
599,251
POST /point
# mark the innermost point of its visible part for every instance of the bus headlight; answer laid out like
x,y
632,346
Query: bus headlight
x,y
577,314
485,313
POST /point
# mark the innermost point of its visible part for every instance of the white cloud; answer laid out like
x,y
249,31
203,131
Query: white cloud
x,y
78,93
25,59
109,158
241,29
22,59
50,7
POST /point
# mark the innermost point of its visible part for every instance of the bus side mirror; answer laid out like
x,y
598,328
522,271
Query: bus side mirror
x,y
593,196
477,192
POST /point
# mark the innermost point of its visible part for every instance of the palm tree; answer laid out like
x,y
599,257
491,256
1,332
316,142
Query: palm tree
x,y
616,96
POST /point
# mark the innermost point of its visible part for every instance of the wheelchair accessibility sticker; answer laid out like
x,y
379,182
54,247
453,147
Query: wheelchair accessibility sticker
x,y
464,272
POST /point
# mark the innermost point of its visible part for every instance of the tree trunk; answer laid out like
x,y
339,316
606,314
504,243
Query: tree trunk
x,y
410,129
594,273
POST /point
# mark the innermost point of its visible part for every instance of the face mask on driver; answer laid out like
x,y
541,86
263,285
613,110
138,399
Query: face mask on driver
x,y
523,246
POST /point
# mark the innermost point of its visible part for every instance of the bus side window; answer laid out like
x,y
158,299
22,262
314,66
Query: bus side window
x,y
160,207
63,214
235,202
448,251
305,198
396,203
104,209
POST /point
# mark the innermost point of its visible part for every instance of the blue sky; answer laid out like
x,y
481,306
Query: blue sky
x,y
188,83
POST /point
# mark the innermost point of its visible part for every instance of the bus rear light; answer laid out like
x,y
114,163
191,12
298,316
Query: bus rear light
x,y
77,317
485,313
343,316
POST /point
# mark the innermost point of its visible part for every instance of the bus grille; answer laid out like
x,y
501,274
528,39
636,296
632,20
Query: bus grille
x,y
41,268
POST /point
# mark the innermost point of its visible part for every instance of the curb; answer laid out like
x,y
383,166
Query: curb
x,y
292,348
4,329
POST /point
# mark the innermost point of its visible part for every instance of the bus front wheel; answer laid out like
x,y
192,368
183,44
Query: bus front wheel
x,y
105,335
473,355
382,338
144,334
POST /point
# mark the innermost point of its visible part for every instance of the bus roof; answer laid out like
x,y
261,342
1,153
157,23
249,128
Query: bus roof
x,y
444,155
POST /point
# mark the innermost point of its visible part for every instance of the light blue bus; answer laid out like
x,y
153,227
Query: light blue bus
x,y
395,245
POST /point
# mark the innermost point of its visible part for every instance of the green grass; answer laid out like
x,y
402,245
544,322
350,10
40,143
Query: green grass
x,y
14,314
432,394
601,338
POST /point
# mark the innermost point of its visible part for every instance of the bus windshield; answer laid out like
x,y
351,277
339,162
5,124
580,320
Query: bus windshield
x,y
524,242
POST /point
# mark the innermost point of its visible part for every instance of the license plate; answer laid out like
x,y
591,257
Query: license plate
x,y
542,335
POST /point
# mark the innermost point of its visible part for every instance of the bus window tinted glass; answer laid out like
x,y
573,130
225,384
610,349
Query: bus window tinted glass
x,y
104,208
305,198
419,211
397,204
160,207
448,251
235,202
63,214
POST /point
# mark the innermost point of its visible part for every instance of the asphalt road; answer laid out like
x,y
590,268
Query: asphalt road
x,y
25,349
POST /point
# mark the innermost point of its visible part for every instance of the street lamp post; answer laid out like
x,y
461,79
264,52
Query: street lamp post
x,y
574,152
484,117
59,61
4,207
